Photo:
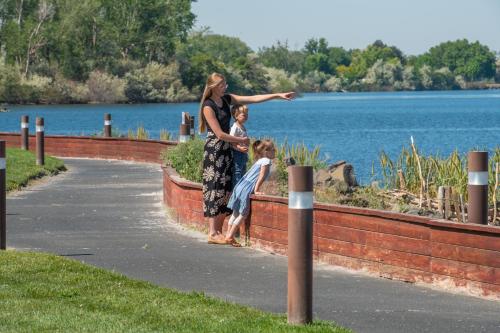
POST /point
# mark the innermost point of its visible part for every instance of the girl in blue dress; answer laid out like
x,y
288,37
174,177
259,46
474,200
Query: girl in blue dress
x,y
239,202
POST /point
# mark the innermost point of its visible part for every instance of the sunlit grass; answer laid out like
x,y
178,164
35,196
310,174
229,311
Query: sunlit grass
x,y
21,168
47,293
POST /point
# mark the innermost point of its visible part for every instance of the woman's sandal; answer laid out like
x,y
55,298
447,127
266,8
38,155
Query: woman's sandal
x,y
233,242
216,240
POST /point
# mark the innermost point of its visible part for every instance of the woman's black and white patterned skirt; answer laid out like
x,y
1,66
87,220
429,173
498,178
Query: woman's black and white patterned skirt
x,y
217,171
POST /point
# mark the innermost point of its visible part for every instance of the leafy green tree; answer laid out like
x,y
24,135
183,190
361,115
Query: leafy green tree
x,y
356,70
442,79
317,62
204,53
23,30
280,56
253,74
317,57
338,56
314,46
82,35
362,60
471,60
384,74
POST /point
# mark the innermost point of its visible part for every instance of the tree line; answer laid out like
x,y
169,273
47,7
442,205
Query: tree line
x,y
109,51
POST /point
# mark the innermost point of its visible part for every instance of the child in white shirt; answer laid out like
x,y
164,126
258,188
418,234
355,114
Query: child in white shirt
x,y
240,151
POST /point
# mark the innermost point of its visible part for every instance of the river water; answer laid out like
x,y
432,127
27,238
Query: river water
x,y
348,126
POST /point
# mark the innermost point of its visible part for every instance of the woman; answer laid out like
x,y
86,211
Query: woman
x,y
215,118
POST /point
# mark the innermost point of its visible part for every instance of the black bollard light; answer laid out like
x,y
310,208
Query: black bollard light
x,y
192,127
25,133
40,142
477,188
3,201
300,244
107,125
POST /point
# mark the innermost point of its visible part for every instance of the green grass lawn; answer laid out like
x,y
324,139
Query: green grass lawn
x,y
21,168
43,292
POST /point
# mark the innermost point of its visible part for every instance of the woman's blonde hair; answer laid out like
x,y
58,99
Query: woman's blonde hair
x,y
259,147
238,109
213,80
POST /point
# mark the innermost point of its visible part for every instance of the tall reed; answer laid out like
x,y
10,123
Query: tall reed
x,y
301,154
140,134
165,135
437,171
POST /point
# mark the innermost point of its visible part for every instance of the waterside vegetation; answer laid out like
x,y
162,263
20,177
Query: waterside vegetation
x,y
402,184
97,51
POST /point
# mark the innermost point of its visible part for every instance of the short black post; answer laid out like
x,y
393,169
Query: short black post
x,y
107,125
192,127
25,135
3,201
300,244
40,144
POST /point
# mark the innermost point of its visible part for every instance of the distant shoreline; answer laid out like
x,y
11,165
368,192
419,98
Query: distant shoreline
x,y
471,86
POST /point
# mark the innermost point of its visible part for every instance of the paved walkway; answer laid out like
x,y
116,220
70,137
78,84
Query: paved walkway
x,y
109,214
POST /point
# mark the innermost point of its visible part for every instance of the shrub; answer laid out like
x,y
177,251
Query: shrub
x,y
13,89
105,88
279,80
313,81
334,84
187,159
156,83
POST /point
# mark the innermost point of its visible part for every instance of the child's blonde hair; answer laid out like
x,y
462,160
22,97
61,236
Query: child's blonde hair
x,y
259,147
238,109
212,81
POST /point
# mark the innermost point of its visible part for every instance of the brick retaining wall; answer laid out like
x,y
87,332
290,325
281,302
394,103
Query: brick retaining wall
x,y
95,147
452,256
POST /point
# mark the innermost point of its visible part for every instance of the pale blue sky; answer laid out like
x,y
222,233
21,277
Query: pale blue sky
x,y
413,26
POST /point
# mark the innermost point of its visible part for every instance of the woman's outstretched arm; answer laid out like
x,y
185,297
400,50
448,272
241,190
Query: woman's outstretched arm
x,y
261,98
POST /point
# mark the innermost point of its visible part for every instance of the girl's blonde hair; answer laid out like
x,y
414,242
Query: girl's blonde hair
x,y
259,147
239,109
213,80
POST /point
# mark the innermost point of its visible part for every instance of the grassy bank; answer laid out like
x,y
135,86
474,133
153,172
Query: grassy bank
x,y
42,292
21,168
